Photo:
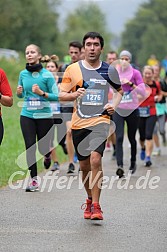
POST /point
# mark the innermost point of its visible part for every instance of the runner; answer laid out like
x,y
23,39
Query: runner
x,y
67,109
6,98
86,82
160,111
148,116
37,86
127,111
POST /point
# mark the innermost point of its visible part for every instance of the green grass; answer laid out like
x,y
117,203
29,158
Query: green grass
x,y
13,143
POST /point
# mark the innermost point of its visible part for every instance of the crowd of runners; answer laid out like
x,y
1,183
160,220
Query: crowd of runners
x,y
83,106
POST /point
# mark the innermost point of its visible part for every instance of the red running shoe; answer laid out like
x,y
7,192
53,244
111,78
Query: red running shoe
x,y
97,213
87,207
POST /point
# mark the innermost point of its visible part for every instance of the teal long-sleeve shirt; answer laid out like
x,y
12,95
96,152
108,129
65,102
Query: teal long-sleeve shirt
x,y
34,105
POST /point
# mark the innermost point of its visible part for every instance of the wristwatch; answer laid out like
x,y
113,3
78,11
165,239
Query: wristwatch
x,y
0,96
43,94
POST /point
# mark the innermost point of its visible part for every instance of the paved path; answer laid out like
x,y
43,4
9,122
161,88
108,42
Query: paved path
x,y
135,219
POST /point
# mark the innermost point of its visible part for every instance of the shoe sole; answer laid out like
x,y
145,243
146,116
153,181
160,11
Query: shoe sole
x,y
35,190
87,217
148,165
70,171
95,217
55,170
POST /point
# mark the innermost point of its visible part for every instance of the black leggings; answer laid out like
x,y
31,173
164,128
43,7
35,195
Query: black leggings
x,y
59,122
32,130
1,130
146,127
132,125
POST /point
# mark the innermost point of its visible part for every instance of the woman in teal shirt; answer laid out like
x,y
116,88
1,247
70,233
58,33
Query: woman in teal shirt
x,y
37,86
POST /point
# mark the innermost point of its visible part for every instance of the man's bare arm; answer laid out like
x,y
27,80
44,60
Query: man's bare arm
x,y
71,96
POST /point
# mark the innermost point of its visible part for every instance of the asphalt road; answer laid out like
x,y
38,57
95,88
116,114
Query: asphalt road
x,y
135,212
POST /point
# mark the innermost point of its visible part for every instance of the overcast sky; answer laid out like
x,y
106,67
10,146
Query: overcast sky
x,y
117,11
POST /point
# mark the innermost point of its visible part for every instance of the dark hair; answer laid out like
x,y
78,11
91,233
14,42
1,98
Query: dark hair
x,y
113,52
93,35
76,44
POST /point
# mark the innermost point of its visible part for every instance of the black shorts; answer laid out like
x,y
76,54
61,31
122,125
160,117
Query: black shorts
x,y
90,139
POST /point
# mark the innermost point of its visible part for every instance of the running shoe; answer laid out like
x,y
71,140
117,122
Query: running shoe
x,y
120,172
142,154
71,168
33,186
55,166
96,212
47,162
107,147
148,163
156,153
133,168
87,207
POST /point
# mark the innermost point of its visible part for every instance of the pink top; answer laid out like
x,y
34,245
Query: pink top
x,y
130,98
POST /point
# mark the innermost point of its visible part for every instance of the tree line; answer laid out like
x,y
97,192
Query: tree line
x,y
25,22
146,33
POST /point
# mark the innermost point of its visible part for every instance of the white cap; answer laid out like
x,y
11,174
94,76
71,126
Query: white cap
x,y
126,53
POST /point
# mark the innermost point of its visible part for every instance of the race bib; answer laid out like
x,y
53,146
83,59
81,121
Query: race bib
x,y
144,111
127,97
93,97
34,103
